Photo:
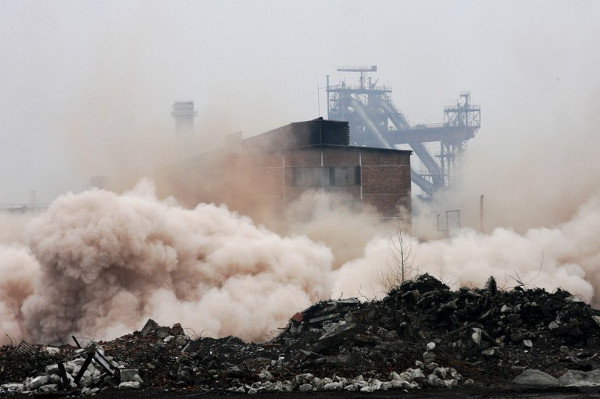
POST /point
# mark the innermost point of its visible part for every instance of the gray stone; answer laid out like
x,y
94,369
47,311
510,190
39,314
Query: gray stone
x,y
37,382
89,391
182,340
129,375
52,369
450,383
305,388
13,387
150,326
411,375
265,375
489,352
93,391
162,332
129,385
395,376
441,372
48,388
333,386
476,336
432,366
434,381
52,350
455,374
536,378
428,357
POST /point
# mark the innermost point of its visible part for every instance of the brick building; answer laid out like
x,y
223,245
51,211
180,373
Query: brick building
x,y
261,175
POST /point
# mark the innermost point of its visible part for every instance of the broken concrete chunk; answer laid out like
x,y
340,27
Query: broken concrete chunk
x,y
126,375
149,327
52,350
265,375
305,388
168,339
129,385
162,332
428,357
36,382
489,352
89,391
476,335
48,388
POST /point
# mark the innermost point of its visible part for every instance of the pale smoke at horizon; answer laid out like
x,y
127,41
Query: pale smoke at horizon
x,y
99,264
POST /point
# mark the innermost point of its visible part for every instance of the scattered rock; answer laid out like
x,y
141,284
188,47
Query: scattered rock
x,y
408,340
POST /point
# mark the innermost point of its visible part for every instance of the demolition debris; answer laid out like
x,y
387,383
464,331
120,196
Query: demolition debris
x,y
422,335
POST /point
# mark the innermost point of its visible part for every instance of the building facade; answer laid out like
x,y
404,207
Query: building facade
x,y
260,176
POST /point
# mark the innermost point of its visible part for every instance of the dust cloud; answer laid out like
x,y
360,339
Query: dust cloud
x,y
98,264
107,262
565,256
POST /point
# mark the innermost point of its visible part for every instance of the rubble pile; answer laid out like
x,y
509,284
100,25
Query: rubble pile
x,y
422,335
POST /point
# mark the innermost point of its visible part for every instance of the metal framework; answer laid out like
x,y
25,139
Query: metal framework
x,y
376,122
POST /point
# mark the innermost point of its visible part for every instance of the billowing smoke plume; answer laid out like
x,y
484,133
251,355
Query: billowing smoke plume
x,y
108,262
564,257
98,264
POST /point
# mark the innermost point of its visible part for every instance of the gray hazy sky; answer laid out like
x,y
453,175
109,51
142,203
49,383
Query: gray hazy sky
x,y
86,87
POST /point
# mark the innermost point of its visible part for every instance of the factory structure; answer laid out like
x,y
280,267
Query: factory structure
x,y
261,175
360,152
376,122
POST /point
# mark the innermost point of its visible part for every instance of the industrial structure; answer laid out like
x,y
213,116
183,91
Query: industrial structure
x,y
184,114
261,175
376,122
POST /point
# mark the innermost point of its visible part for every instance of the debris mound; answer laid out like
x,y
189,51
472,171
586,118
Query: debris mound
x,y
422,335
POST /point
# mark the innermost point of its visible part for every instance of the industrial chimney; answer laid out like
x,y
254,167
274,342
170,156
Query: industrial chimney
x,y
184,114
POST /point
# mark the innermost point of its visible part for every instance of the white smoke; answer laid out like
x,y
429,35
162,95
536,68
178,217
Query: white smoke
x,y
566,257
109,262
99,264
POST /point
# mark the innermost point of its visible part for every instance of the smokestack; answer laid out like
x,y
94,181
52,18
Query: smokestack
x,y
184,114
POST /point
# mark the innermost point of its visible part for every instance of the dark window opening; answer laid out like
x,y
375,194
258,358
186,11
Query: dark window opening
x,y
326,176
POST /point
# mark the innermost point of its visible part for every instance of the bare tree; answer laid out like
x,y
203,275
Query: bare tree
x,y
400,268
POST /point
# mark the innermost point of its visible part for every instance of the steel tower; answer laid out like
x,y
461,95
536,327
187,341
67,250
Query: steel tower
x,y
376,122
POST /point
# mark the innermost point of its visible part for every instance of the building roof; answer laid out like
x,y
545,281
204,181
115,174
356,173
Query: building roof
x,y
301,134
316,133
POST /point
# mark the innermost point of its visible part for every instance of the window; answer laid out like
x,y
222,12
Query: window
x,y
310,177
326,176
